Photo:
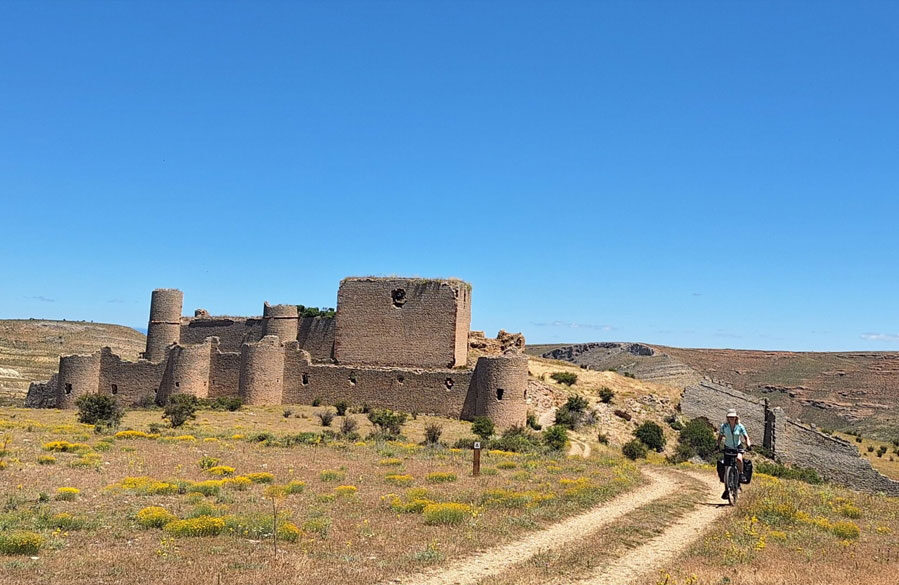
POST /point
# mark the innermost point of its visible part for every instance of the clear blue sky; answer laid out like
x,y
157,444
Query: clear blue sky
x,y
718,174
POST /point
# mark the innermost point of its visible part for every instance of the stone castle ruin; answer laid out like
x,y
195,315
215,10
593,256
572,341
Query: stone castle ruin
x,y
399,343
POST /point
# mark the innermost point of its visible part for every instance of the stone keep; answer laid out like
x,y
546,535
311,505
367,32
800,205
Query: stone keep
x,y
403,321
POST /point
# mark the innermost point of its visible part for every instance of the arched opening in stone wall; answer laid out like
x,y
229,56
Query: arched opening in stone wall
x,y
352,379
115,389
400,378
305,379
68,388
499,393
399,297
448,383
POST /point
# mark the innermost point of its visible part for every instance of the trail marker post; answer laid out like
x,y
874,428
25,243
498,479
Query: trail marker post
x,y
476,460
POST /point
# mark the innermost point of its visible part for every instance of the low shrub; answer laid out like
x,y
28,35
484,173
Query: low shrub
x,y
399,479
516,439
46,459
348,428
346,490
341,406
603,438
294,487
532,422
606,395
330,475
20,542
239,483
567,378
319,526
65,447
99,409
433,431
260,477
131,434
179,409
154,517
634,449
446,514
199,526
388,422
210,487
698,438
845,530
326,417
67,494
441,477
483,428
651,435
850,511
806,474
555,437
220,470
65,521
207,462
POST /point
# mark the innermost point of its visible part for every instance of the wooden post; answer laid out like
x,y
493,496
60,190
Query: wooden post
x,y
476,461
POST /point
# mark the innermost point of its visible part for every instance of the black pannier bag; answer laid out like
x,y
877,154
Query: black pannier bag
x,y
721,470
747,471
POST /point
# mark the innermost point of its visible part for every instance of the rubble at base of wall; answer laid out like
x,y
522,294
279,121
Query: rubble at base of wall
x,y
42,394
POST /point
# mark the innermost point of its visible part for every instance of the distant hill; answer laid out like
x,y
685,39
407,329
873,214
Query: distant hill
x,y
837,390
30,348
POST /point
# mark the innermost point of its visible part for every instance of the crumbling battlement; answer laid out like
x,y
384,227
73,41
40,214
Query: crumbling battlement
x,y
399,343
790,441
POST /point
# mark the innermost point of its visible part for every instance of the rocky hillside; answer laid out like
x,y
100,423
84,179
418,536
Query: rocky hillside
x,y
30,348
841,390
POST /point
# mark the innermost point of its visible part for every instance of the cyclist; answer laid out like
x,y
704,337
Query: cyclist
x,y
734,435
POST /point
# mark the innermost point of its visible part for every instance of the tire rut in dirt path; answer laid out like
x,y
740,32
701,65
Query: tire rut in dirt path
x,y
639,562
579,447
475,567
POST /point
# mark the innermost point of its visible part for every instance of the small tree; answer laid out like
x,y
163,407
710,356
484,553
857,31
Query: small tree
x,y
567,378
179,409
572,414
483,428
634,449
555,437
387,421
606,395
652,436
97,409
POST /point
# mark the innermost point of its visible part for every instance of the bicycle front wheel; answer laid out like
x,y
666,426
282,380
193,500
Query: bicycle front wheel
x,y
733,485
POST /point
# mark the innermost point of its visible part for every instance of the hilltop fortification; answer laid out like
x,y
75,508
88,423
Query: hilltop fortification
x,y
394,342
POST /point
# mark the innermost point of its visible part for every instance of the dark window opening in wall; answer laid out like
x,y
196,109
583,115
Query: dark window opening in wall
x,y
399,297
353,380
499,393
115,388
177,384
68,388
305,379
400,378
448,383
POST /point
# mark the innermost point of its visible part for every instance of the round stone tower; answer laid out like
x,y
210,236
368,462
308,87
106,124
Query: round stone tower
x,y
262,371
189,367
280,320
502,383
164,328
78,375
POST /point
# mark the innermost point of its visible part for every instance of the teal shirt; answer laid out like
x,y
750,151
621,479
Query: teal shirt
x,y
732,438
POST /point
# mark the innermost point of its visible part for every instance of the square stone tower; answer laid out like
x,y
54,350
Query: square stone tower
x,y
412,322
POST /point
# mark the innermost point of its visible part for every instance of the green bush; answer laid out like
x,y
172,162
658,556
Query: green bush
x,y
19,542
573,413
341,406
555,437
518,439
567,378
483,427
652,436
806,474
387,421
179,409
532,422
229,403
606,395
96,409
699,436
634,449
326,417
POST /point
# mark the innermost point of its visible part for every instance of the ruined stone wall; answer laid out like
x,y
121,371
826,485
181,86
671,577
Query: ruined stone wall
x,y
401,321
164,327
262,371
833,458
224,373
501,384
463,324
130,382
439,391
280,320
712,401
316,335
78,375
231,331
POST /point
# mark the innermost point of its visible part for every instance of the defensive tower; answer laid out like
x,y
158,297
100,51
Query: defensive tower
x,y
501,383
262,371
164,327
280,320
78,375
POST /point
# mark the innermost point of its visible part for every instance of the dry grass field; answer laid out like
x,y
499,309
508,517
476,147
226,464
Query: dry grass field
x,y
887,463
788,532
347,511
